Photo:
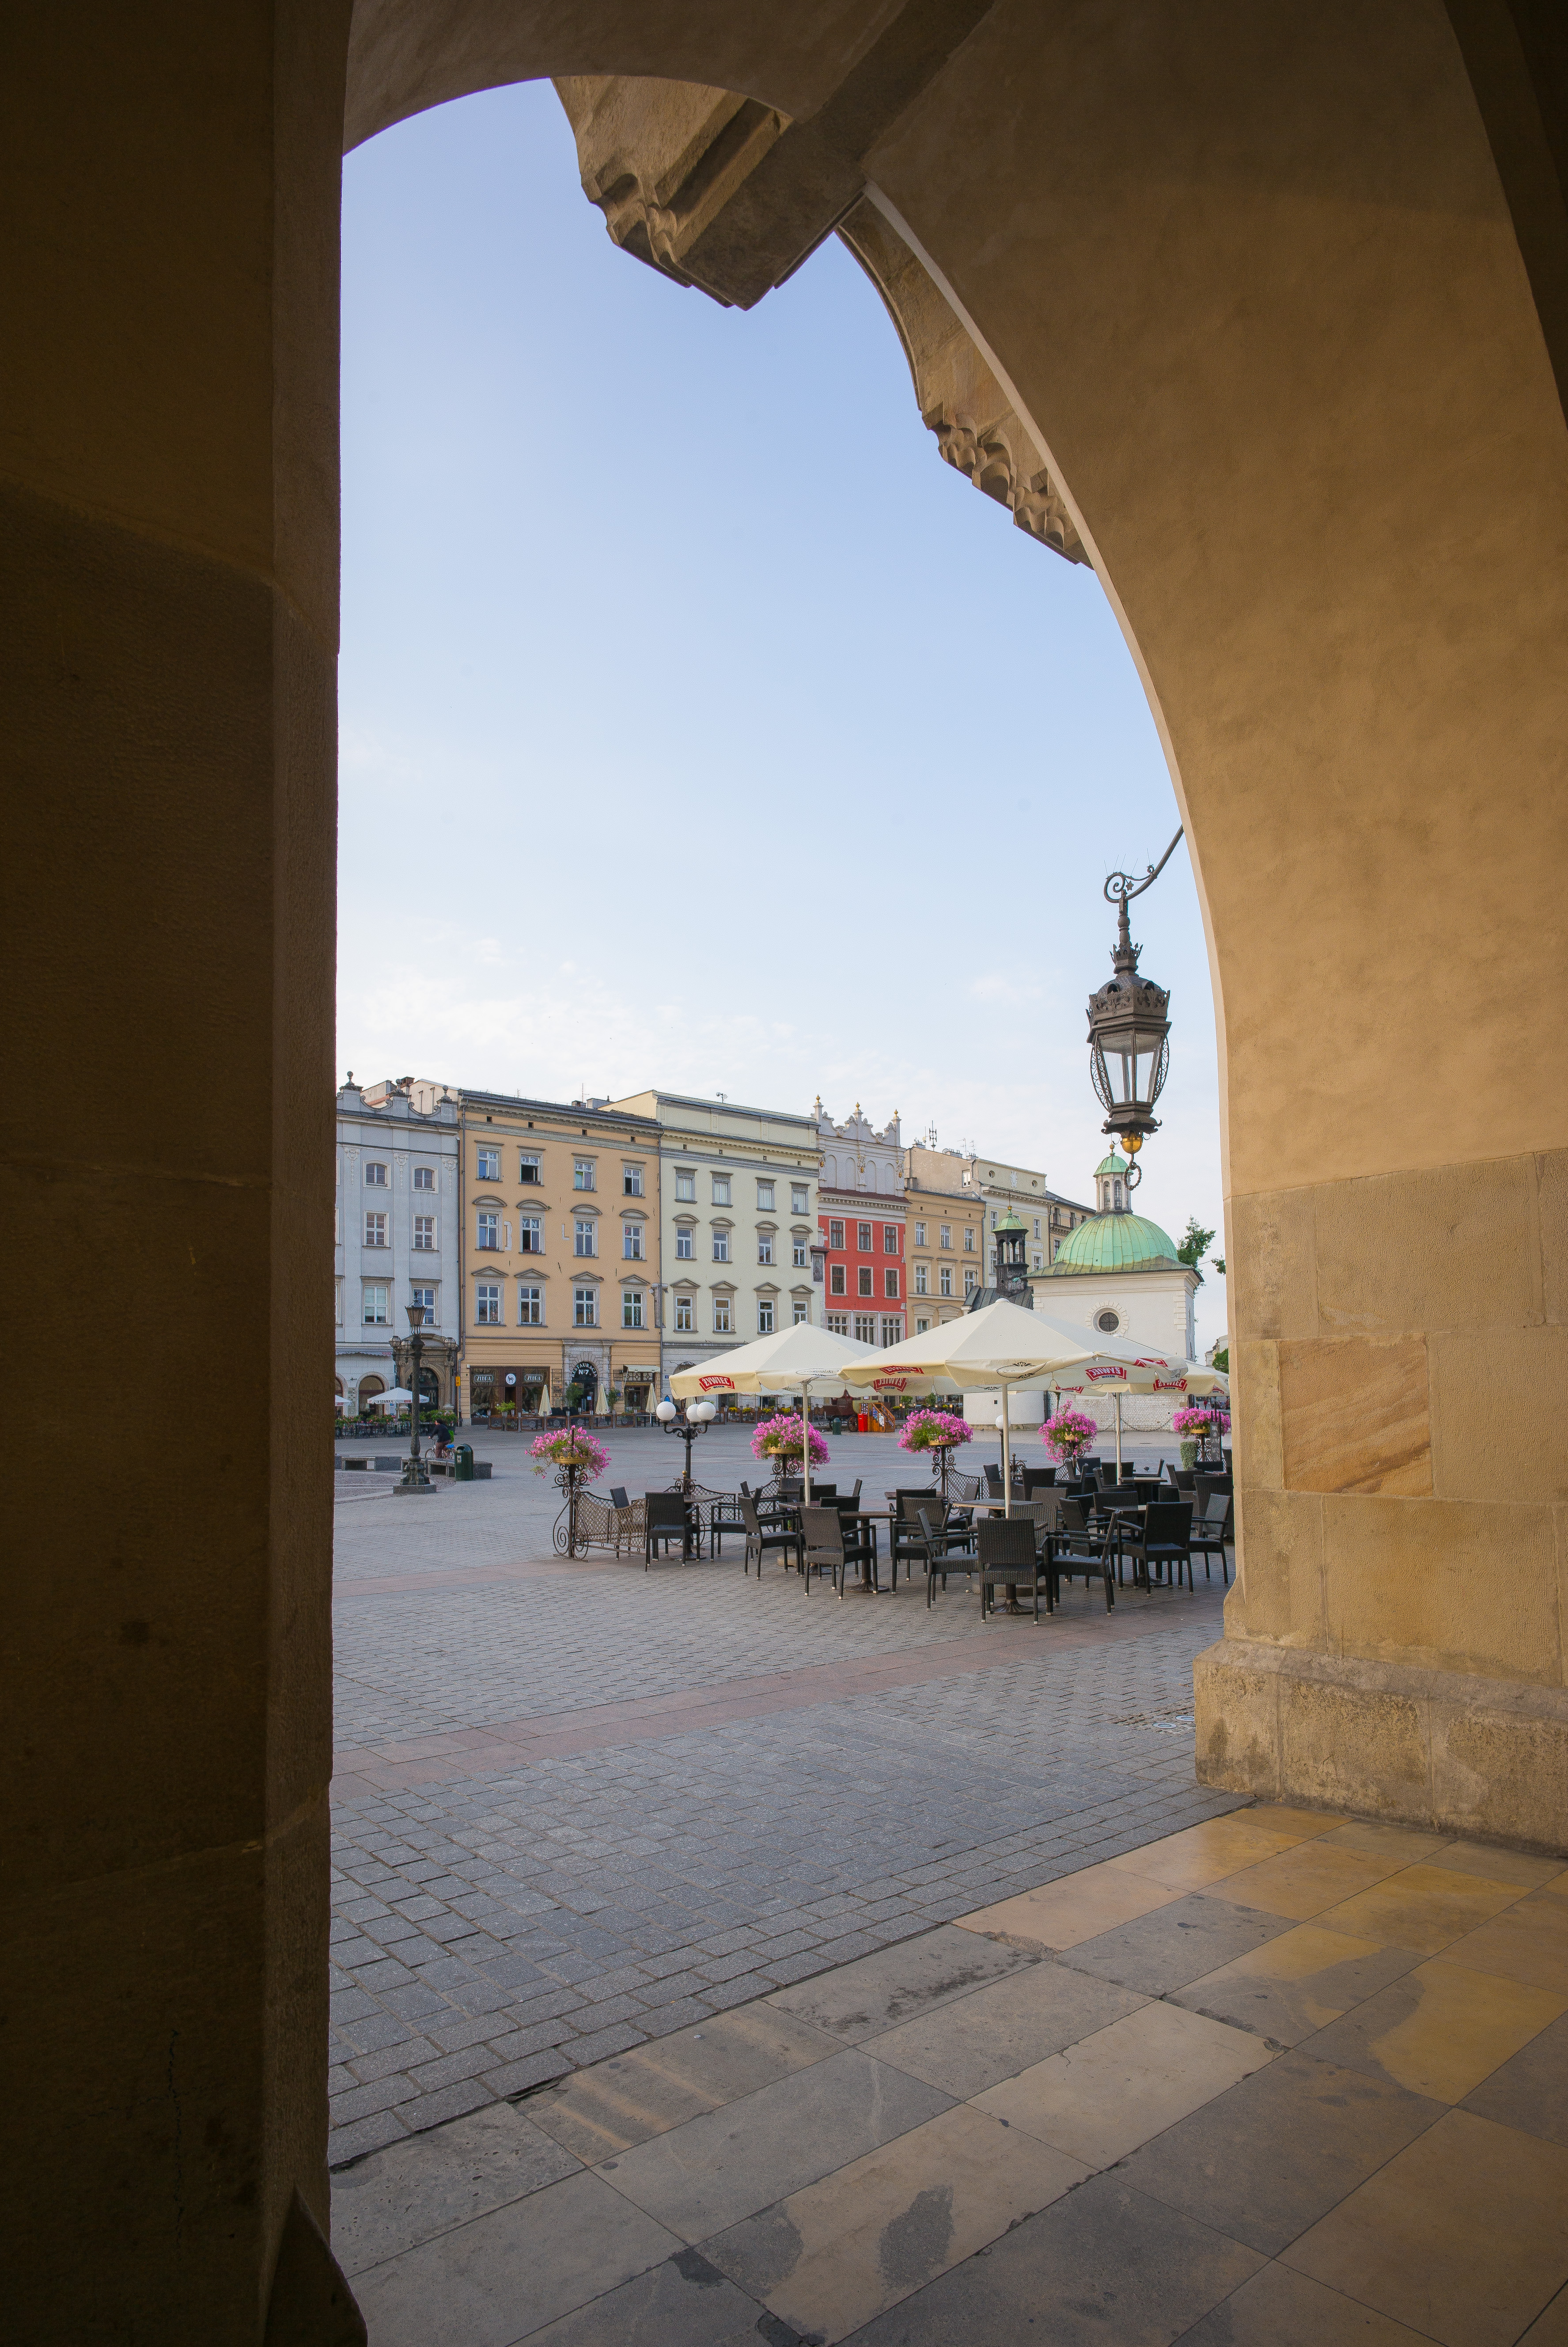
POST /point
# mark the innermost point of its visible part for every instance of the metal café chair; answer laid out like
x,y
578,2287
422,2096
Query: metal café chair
x,y
1075,1547
828,1546
1038,1478
1162,1540
1214,1533
1008,1558
943,1552
663,1519
760,1540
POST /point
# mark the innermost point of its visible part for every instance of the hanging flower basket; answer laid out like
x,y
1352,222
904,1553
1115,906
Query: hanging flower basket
x,y
1068,1435
573,1449
939,1431
779,1439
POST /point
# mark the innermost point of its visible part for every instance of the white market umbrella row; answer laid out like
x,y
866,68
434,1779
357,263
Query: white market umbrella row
x,y
1183,1377
1003,1347
791,1360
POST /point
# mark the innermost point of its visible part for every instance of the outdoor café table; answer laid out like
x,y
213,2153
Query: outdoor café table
x,y
870,1518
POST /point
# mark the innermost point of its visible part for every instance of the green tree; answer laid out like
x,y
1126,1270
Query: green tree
x,y
1195,1246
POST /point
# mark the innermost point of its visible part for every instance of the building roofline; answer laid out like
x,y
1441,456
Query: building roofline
x,y
732,1108
571,1110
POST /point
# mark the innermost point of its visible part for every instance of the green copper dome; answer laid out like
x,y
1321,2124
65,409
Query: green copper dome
x,y
1116,1243
1112,1165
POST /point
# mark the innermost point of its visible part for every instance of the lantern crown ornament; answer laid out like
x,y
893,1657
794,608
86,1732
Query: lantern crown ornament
x,y
1129,1029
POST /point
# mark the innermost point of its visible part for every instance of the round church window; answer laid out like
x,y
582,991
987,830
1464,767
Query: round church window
x,y
1108,1322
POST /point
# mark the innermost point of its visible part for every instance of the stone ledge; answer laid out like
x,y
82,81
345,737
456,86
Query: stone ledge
x,y
1451,1750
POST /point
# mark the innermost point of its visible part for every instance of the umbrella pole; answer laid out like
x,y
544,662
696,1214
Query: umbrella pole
x,y
806,1438
1117,1438
1007,1456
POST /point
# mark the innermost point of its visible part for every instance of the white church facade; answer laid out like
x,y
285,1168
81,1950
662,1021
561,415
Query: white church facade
x,y
1119,1276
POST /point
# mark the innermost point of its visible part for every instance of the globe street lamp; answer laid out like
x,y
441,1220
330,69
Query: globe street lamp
x,y
1129,1030
415,1474
688,1425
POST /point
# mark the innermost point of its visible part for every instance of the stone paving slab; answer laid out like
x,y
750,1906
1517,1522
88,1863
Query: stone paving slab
x,y
1025,2153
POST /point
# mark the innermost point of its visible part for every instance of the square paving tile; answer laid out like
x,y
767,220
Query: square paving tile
x,y
1424,1907
702,2176
1078,1907
978,2040
1279,2308
1177,1944
1441,2029
1103,2266
1113,2091
615,2104
1206,1853
1463,2235
496,2279
1302,1882
1500,1865
428,2183
1297,1984
684,2302
877,1992
830,2258
1275,2152
1531,2092
1549,2329
1527,1942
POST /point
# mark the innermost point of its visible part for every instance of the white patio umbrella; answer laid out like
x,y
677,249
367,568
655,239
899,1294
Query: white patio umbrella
x,y
790,1361
390,1400
1002,1347
1182,1377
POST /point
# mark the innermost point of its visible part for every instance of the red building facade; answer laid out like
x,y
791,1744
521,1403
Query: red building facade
x,y
860,1206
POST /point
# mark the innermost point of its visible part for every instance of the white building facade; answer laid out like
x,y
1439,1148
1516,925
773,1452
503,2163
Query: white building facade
x,y
1119,1276
394,1229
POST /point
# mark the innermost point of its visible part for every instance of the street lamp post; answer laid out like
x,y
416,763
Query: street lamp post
x,y
415,1474
1129,1030
687,1425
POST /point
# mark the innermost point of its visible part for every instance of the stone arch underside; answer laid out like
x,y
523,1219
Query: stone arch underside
x,y
1270,294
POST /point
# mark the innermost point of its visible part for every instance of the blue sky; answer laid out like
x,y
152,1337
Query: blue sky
x,y
700,726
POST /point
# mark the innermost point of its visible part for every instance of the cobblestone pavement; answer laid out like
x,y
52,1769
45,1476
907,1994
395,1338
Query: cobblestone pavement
x,y
580,1805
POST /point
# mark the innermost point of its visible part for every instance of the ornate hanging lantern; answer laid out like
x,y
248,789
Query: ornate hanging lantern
x,y
1129,1030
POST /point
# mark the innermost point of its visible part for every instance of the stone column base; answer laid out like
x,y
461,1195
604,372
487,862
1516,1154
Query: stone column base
x,y
1460,1754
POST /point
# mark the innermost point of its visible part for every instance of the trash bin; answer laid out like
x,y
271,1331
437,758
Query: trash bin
x,y
463,1463
862,1424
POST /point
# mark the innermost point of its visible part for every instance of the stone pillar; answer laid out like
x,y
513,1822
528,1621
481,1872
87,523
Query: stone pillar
x,y
170,552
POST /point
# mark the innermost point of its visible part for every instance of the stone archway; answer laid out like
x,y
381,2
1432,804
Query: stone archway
x,y
1276,301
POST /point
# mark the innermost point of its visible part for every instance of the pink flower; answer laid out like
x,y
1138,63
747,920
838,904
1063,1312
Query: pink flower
x,y
574,1447
780,1438
934,1430
1198,1419
1067,1433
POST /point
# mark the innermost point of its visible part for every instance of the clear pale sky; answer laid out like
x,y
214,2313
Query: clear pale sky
x,y
701,728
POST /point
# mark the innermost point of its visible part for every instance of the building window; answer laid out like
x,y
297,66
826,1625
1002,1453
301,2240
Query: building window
x,y
631,1181
838,1324
1037,1263
1108,1322
836,1235
799,1198
891,1332
489,1164
1055,1249
922,1280
944,1280
968,1242
922,1328
890,1284
764,1197
945,1234
865,1329
528,1166
863,1280
889,1238
337,1302
836,1279
426,1296
721,1246
685,1243
375,1308
632,1241
631,1308
583,1174
721,1315
585,1239
1037,1227
919,1234
425,1178
684,1315
375,1177
487,1305
800,1256
863,1237
530,1234
375,1230
585,1308
765,1247
530,1308
489,1232
423,1234
765,1317
802,1314
685,1182
969,1283
721,1189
